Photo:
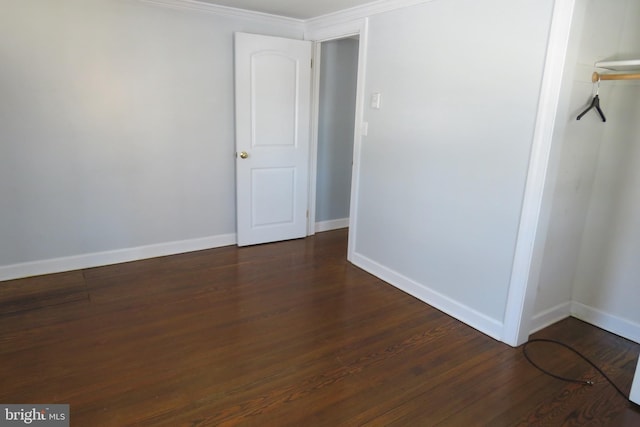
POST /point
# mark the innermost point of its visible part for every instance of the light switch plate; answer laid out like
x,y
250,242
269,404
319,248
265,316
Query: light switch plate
x,y
375,101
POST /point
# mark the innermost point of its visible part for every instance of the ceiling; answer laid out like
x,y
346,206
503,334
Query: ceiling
x,y
299,9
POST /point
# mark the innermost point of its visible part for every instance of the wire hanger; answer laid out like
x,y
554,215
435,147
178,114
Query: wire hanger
x,y
595,102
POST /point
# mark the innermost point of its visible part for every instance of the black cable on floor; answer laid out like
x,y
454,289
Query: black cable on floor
x,y
572,380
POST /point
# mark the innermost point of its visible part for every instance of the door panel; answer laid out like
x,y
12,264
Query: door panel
x,y
273,91
269,207
274,126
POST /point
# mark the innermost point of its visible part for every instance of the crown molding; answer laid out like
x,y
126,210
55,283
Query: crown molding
x,y
360,12
341,16
200,6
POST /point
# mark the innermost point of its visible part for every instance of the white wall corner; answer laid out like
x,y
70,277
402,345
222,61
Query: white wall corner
x,y
461,312
532,233
98,259
550,316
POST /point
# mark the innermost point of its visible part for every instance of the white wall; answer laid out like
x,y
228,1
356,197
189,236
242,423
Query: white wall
x,y
339,66
117,132
443,169
590,265
570,178
116,125
606,290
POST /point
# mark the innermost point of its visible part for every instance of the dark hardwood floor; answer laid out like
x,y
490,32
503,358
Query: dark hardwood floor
x,y
284,334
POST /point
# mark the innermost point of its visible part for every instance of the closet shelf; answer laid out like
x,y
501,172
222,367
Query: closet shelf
x,y
626,65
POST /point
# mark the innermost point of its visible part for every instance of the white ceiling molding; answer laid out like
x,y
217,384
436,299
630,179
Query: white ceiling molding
x,y
340,30
357,12
200,6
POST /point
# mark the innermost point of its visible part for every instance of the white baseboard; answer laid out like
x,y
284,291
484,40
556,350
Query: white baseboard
x,y
471,317
614,324
550,316
333,224
606,321
97,259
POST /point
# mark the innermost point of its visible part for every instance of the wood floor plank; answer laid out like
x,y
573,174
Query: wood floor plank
x,y
23,295
284,334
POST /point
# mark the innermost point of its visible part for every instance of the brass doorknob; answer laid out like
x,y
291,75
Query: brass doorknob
x,y
244,154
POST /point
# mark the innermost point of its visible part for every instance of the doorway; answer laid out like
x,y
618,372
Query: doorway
x,y
333,215
358,30
337,66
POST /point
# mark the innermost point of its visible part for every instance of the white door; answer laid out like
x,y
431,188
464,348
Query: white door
x,y
273,99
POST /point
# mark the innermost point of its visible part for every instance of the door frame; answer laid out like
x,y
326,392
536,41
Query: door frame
x,y
358,28
534,218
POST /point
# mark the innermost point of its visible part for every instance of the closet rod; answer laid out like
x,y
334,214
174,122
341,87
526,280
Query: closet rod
x,y
597,76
